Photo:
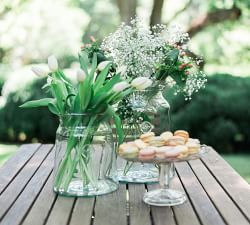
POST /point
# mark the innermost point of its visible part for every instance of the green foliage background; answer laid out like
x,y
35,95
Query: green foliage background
x,y
32,30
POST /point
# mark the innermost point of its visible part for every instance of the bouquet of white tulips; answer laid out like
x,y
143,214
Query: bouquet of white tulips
x,y
93,95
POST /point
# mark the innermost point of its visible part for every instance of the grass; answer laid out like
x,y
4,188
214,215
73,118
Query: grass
x,y
6,151
241,163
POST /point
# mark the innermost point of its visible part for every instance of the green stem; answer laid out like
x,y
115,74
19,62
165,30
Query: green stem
x,y
83,142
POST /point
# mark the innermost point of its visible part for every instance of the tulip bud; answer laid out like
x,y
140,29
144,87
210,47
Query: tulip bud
x,y
80,75
141,83
120,86
52,63
102,65
39,71
121,70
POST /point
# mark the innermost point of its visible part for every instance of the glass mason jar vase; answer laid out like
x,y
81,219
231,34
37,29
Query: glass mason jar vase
x,y
85,160
141,110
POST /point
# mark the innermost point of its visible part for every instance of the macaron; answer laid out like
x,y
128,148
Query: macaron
x,y
127,148
193,147
147,136
147,153
160,152
182,133
130,152
166,135
140,144
184,151
176,140
172,152
156,141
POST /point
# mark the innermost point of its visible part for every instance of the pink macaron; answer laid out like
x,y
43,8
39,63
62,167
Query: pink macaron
x,y
147,153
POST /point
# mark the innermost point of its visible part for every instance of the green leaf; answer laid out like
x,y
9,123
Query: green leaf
x,y
173,55
53,108
108,85
84,61
101,77
93,66
118,125
37,103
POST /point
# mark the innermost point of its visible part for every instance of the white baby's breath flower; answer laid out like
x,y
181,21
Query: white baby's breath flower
x,y
80,74
120,86
102,65
52,63
121,69
39,71
141,83
140,54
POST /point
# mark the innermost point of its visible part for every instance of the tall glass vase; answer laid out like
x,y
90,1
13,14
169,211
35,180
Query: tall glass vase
x,y
85,160
139,112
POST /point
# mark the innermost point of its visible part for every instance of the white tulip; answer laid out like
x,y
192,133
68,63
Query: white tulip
x,y
52,63
102,65
141,83
122,70
80,75
120,86
39,71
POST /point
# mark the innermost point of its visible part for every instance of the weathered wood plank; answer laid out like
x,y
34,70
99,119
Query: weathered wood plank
x,y
221,200
17,212
42,206
184,213
61,211
11,193
203,206
110,209
9,170
161,215
83,211
139,212
235,186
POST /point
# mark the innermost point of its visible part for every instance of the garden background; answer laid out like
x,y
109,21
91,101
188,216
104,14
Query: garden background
x,y
31,30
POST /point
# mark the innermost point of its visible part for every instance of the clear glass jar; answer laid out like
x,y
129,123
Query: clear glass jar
x,y
141,110
85,160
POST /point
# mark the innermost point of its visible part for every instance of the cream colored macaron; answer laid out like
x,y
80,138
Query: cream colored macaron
x,y
166,135
182,133
193,147
176,140
156,141
147,136
140,144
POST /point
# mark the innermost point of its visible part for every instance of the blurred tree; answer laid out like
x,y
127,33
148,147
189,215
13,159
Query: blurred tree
x,y
127,9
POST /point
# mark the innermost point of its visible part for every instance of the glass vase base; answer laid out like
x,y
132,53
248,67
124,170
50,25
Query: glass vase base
x,y
138,176
76,189
164,197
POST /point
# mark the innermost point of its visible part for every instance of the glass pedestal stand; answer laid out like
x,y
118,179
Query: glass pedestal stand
x,y
164,196
136,172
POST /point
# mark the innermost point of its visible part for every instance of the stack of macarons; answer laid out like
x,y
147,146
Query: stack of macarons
x,y
168,146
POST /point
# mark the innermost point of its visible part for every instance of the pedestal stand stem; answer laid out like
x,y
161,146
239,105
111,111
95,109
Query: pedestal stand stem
x,y
164,178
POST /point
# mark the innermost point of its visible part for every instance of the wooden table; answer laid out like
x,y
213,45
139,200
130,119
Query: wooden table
x,y
216,195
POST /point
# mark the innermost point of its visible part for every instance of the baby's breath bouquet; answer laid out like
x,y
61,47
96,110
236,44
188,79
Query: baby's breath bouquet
x,y
83,108
156,52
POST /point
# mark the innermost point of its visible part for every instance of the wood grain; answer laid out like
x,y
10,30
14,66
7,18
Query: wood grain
x,y
11,193
221,200
12,167
204,208
139,212
235,186
17,212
